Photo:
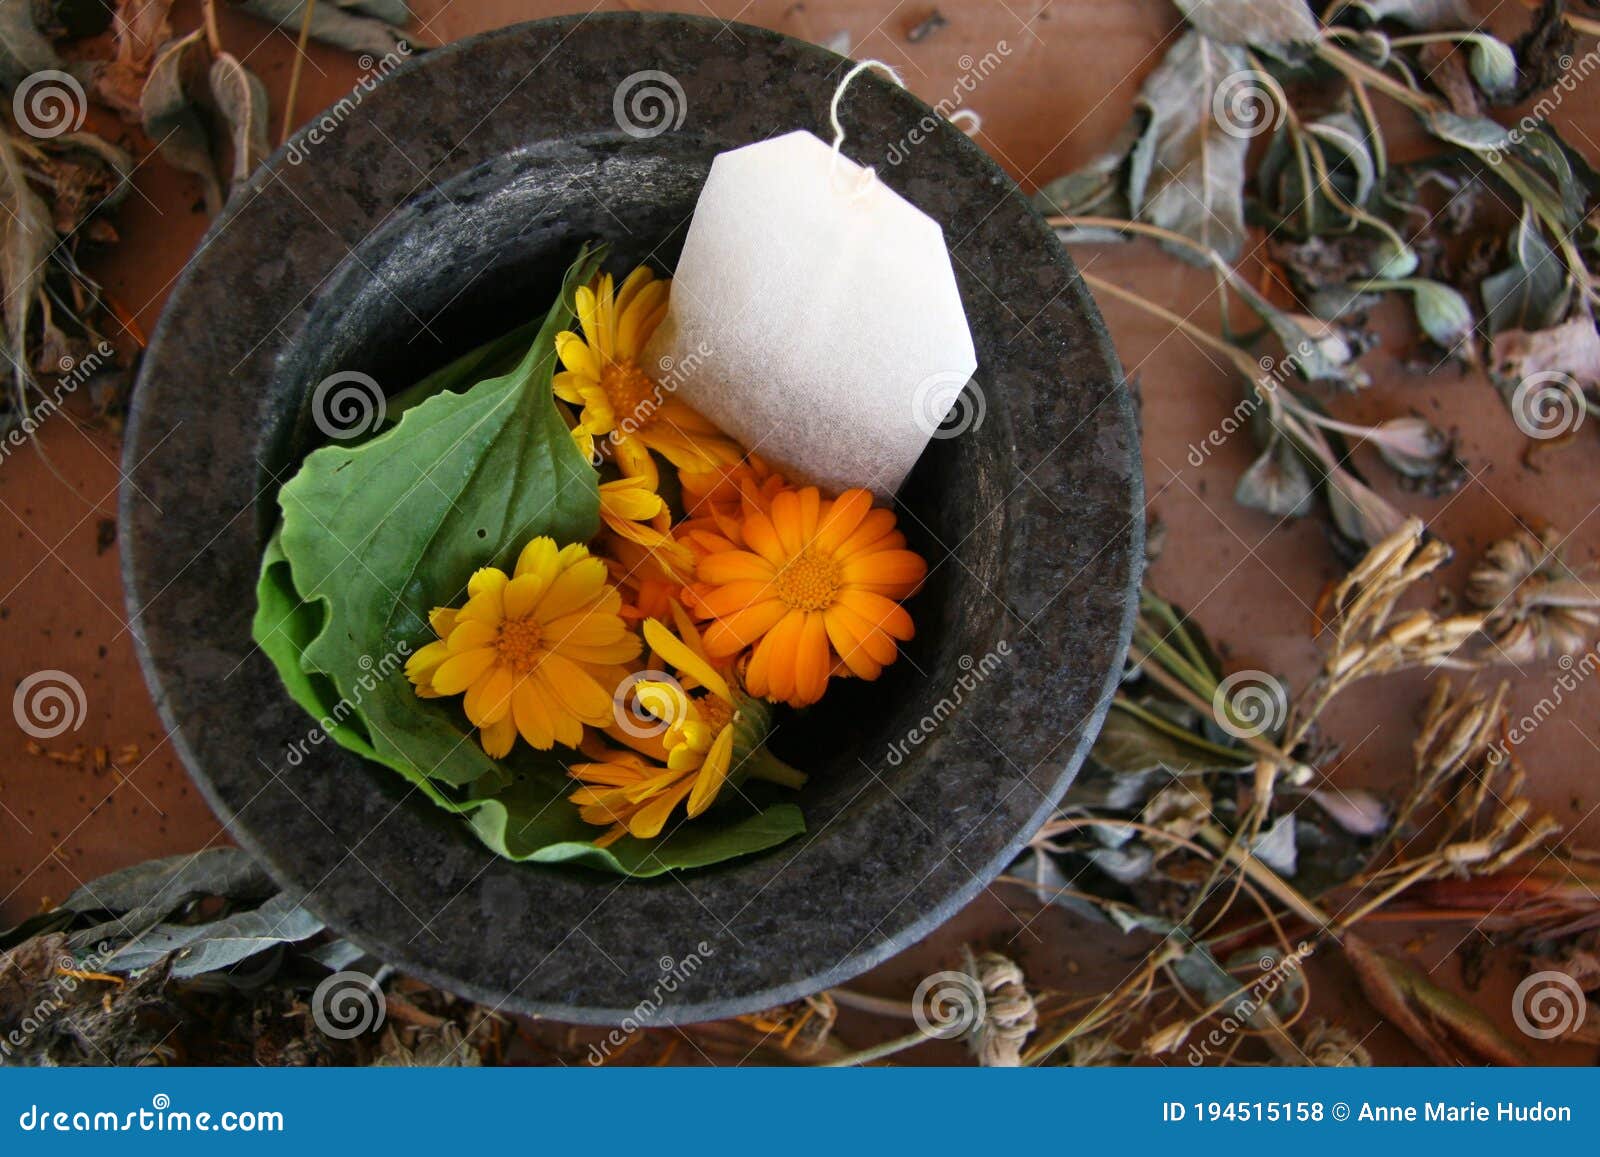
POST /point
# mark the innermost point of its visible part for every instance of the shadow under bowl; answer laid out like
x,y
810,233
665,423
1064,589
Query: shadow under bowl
x,y
441,209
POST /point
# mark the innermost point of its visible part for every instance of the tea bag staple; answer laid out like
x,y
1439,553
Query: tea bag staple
x,y
815,317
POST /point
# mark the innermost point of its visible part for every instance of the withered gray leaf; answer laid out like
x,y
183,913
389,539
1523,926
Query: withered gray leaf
x,y
1274,25
172,119
202,948
242,100
342,25
1533,291
1572,348
226,872
1277,482
1099,188
1187,172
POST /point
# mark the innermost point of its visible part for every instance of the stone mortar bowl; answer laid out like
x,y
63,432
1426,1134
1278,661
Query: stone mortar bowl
x,y
437,212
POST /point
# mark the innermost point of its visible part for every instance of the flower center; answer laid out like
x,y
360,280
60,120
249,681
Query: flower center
x,y
633,396
518,644
809,582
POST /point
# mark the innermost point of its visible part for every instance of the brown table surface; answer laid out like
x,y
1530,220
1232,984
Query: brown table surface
x,y
1065,87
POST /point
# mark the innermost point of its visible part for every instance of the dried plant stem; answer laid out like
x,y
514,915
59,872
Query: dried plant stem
x,y
1353,67
1172,683
1582,23
294,72
213,37
1235,356
880,1052
866,1002
1268,880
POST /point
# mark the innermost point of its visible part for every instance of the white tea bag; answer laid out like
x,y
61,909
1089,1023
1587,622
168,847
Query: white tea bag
x,y
815,317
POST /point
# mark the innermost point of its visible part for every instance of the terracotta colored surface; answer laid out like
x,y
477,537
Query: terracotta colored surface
x,y
1067,80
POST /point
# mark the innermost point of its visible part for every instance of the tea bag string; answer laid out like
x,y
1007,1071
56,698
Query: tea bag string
x,y
867,174
964,119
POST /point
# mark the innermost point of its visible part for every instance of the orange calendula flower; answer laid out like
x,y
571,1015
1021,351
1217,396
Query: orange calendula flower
x,y
535,652
706,724
619,401
815,587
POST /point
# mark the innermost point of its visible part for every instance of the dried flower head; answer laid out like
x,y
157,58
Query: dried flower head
x,y
1537,607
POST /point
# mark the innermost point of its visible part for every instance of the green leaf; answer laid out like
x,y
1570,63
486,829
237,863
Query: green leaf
x,y
380,533
376,534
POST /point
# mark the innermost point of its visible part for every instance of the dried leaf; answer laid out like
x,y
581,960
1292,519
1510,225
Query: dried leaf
x,y
1571,349
1273,25
172,119
1533,291
342,25
242,100
200,948
1187,172
1445,1027
226,872
141,28
1277,482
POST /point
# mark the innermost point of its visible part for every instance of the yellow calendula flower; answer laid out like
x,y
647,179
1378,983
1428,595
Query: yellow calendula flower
x,y
705,717
632,511
621,403
536,652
